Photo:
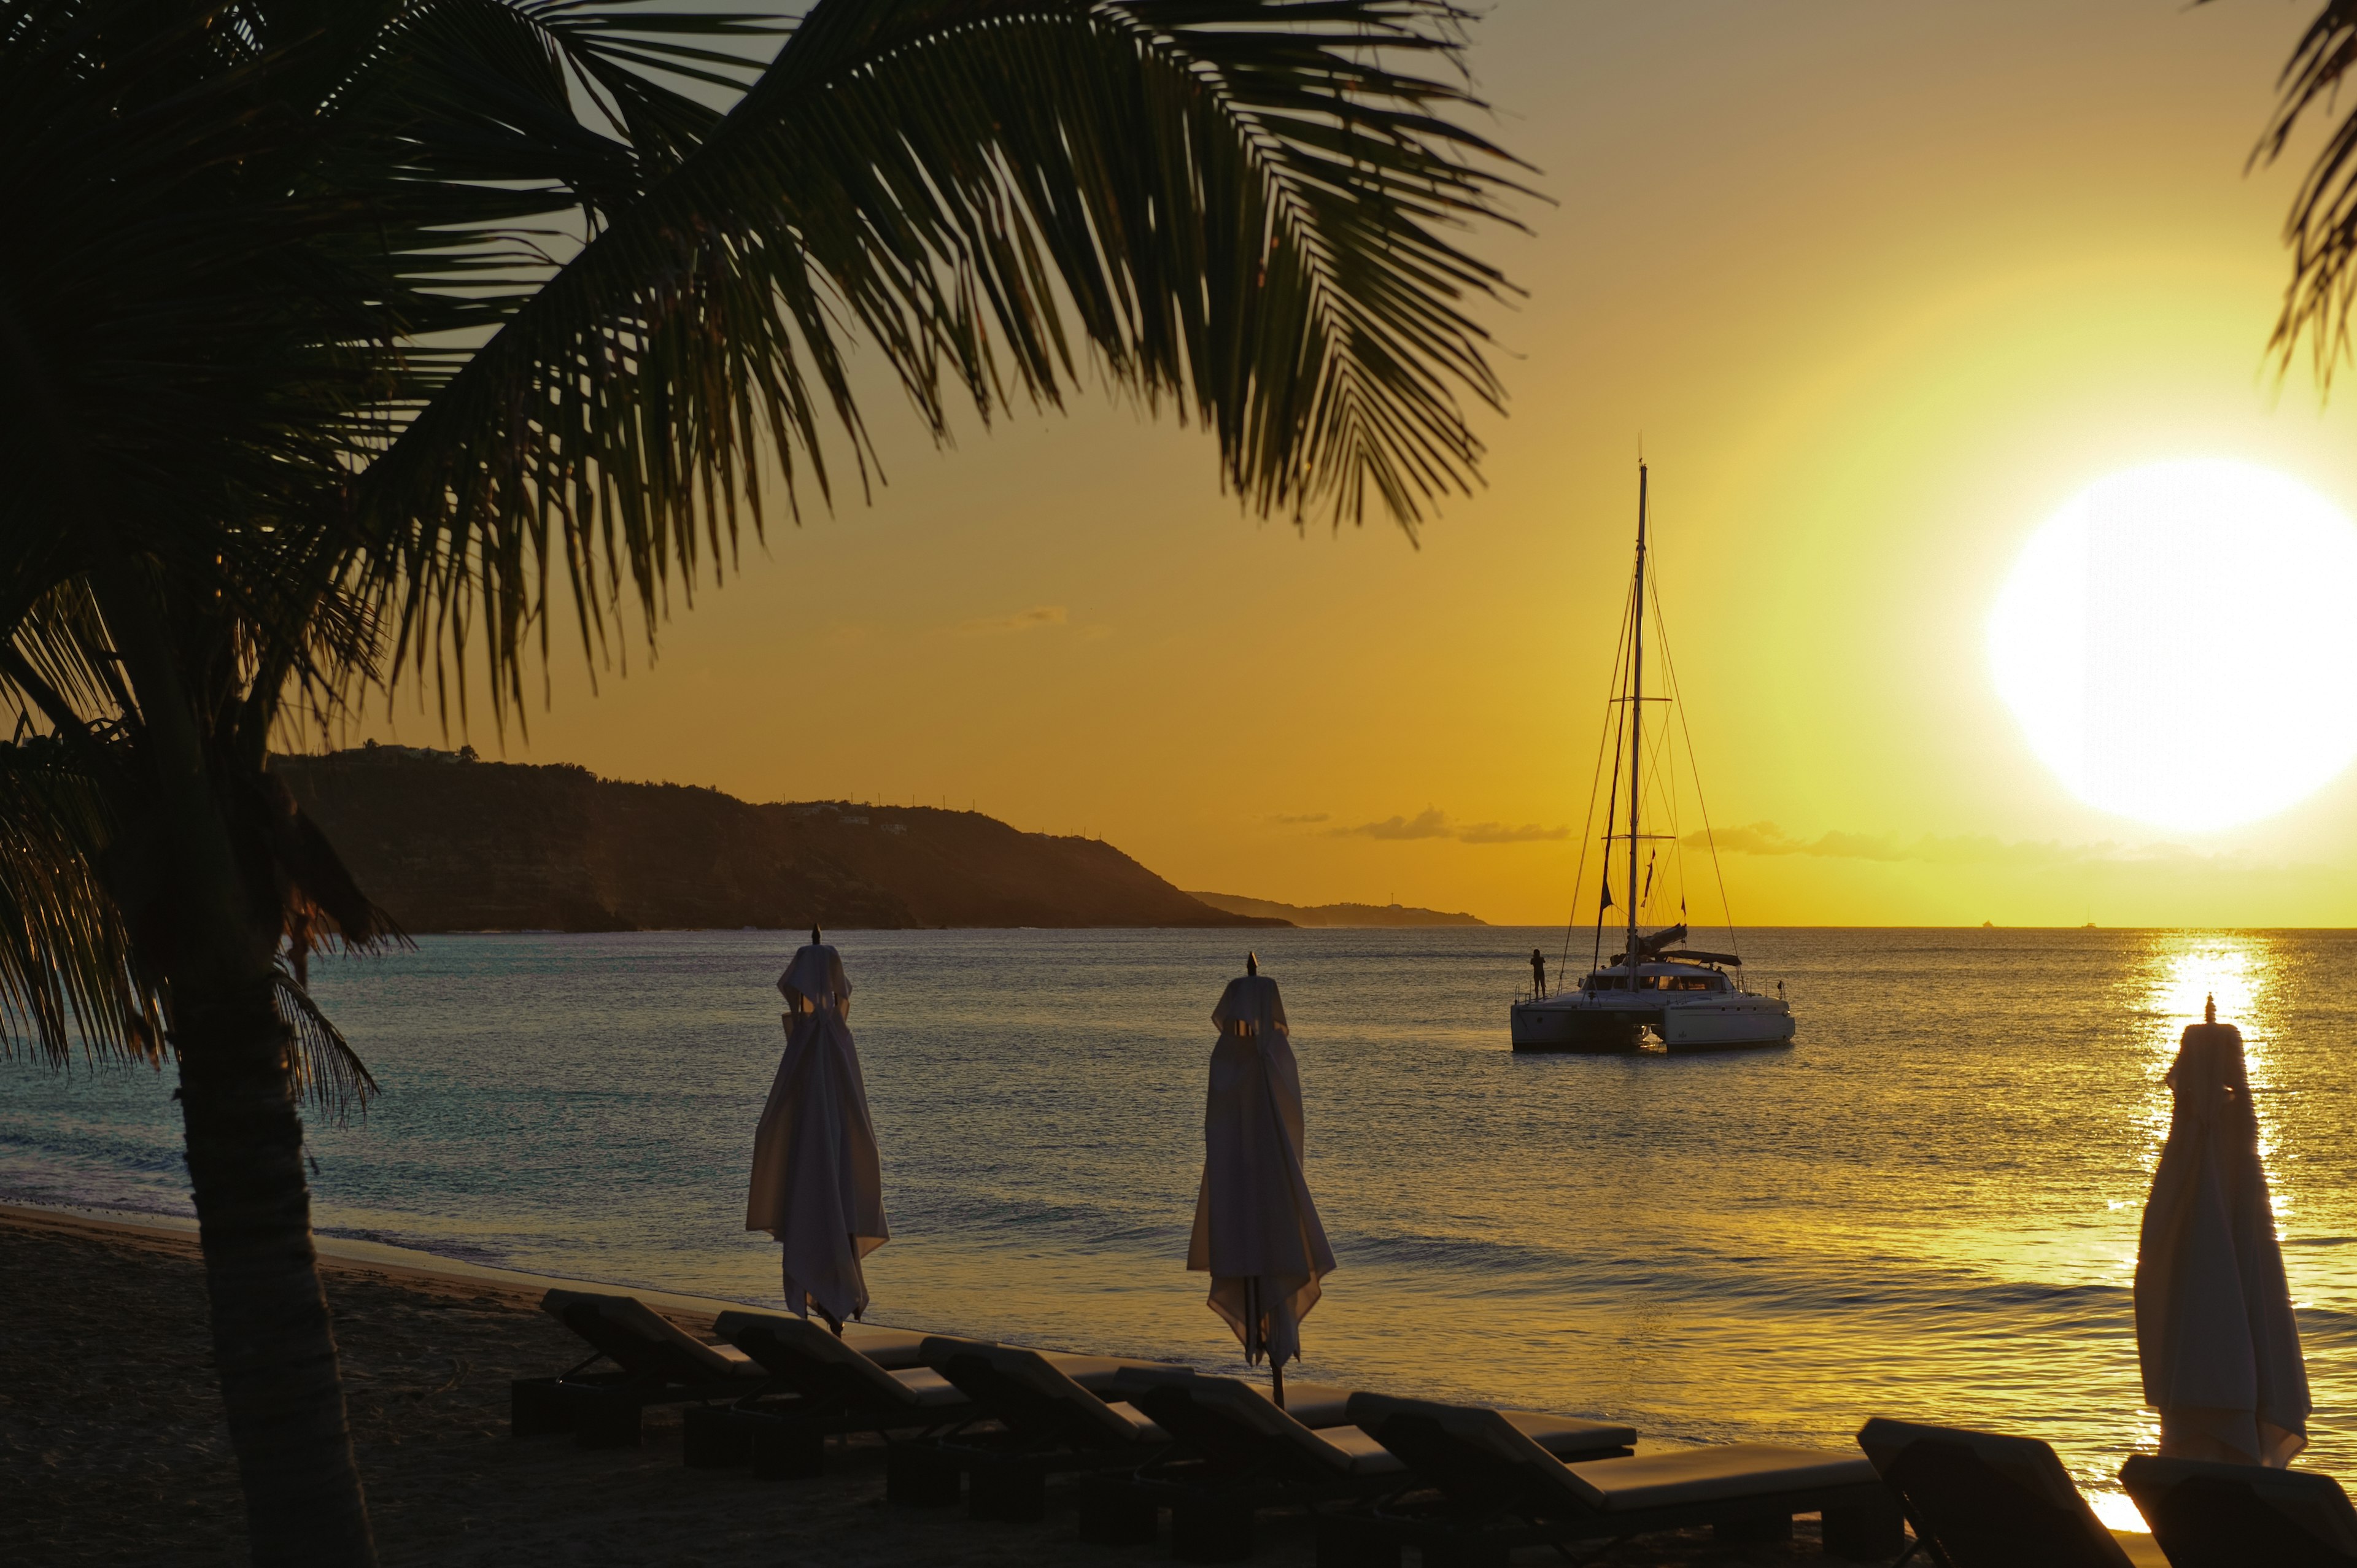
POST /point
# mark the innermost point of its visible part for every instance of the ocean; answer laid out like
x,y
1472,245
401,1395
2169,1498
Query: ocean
x,y
1926,1207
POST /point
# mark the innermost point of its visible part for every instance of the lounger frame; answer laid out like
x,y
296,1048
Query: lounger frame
x,y
1214,1483
1986,1499
1004,1473
1225,1473
1484,1505
1212,1508
782,1436
1861,1523
2207,1515
606,1410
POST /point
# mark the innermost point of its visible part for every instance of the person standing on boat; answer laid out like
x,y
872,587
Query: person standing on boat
x,y
1538,973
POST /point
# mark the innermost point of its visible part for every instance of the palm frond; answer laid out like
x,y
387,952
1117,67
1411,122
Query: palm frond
x,y
323,1068
2320,230
67,972
1247,206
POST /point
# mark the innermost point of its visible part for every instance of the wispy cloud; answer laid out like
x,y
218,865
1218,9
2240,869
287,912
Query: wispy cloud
x,y
1427,824
1434,824
1304,819
1767,838
1506,832
1031,619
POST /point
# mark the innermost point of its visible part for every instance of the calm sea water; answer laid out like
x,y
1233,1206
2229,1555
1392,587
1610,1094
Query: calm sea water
x,y
1927,1208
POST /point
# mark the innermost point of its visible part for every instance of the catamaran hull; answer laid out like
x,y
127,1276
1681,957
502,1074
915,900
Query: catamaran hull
x,y
1574,1026
1586,1031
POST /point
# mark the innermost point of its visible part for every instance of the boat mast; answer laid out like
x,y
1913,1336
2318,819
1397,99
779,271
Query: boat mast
x,y
1636,721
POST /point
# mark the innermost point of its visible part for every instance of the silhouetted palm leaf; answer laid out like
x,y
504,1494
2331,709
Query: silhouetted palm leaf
x,y
2322,228
66,964
1245,207
323,1066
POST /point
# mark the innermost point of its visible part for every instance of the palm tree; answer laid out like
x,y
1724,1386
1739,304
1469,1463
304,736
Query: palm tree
x,y
2320,230
330,334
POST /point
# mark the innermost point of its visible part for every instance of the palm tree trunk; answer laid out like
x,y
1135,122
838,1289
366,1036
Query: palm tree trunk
x,y
271,1342
271,1339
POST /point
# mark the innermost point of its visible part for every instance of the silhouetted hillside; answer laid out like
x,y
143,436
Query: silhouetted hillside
x,y
1335,914
447,844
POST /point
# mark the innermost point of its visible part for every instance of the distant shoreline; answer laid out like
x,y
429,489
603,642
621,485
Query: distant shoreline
x,y
1335,916
1468,924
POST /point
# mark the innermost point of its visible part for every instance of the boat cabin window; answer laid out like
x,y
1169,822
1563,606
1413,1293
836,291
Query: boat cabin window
x,y
1659,982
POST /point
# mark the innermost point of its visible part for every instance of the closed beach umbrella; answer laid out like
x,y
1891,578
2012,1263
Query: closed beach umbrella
x,y
2214,1327
818,1187
1257,1230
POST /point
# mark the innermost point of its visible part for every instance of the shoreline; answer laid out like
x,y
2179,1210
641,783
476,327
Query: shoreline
x,y
384,1257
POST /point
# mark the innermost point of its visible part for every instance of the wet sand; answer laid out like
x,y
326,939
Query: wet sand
x,y
112,1436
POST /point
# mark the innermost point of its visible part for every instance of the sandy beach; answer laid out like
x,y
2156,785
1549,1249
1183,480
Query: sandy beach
x,y
111,1429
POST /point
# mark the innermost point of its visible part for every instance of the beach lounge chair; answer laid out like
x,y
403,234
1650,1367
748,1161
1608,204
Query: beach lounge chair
x,y
1055,1414
654,1362
1981,1499
818,1386
1498,1489
2208,1515
1238,1454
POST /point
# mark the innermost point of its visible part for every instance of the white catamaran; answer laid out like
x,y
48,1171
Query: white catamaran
x,y
1655,990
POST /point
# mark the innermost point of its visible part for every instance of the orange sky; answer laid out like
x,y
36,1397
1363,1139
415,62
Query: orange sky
x,y
1879,286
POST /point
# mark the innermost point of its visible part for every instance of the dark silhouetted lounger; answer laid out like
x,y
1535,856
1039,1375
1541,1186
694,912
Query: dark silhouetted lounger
x,y
870,1379
820,1385
1238,1453
654,1362
1982,1499
2209,1515
1059,1413
1499,1489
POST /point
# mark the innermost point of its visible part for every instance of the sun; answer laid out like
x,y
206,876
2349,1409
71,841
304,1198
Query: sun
x,y
2179,643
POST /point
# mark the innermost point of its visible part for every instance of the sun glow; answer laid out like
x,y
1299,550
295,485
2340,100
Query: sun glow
x,y
2179,643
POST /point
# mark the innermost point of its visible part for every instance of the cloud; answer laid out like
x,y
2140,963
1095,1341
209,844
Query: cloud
x,y
1427,824
1305,819
1434,824
1504,832
1021,620
1767,838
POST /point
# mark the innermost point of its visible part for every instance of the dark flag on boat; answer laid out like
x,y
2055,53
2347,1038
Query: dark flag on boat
x,y
1607,894
1648,877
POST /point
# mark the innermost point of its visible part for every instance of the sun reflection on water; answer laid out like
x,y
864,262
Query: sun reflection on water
x,y
2184,971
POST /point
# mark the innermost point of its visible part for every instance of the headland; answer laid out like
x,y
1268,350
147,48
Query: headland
x,y
446,843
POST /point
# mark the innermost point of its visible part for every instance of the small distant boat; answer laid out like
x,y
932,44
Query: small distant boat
x,y
1656,992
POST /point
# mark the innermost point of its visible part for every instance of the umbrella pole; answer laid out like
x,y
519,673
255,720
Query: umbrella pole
x,y
1254,1309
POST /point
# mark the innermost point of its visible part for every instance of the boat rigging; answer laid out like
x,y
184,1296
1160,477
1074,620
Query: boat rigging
x,y
1656,991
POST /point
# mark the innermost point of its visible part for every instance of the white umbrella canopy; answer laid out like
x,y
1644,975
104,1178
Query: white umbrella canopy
x,y
2214,1327
818,1185
1256,1232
